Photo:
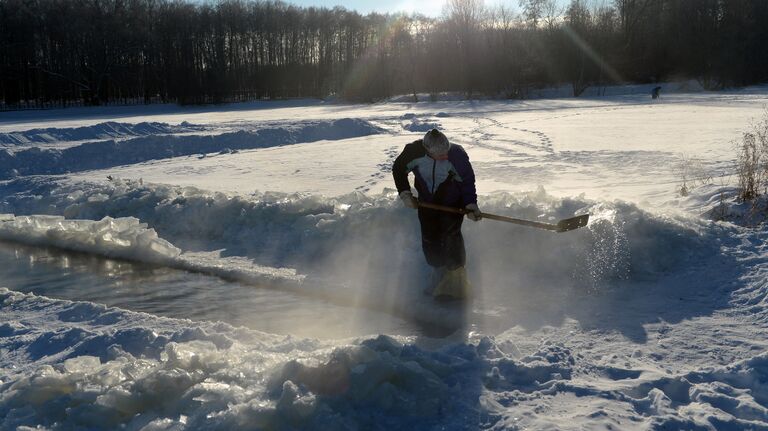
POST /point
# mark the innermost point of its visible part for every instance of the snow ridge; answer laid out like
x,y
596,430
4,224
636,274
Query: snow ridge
x,y
80,364
106,130
125,238
310,232
104,154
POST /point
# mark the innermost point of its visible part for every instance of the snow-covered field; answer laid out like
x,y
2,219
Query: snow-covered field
x,y
652,317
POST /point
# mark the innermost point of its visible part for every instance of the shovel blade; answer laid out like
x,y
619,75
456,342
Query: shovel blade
x,y
572,223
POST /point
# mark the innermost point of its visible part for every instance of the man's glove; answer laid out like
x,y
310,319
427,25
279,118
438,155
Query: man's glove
x,y
408,199
473,213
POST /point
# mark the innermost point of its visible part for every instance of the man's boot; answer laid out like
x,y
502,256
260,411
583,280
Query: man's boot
x,y
438,272
453,286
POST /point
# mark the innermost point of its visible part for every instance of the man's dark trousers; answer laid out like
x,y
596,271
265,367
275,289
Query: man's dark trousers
x,y
441,238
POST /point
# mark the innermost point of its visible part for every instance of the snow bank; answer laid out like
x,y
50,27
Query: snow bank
x,y
297,230
722,203
125,237
104,154
107,130
79,365
421,125
128,238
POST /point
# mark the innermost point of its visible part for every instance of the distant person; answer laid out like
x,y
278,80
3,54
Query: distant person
x,y
443,176
655,93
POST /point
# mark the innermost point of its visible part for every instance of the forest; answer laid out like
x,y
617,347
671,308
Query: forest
x,y
97,52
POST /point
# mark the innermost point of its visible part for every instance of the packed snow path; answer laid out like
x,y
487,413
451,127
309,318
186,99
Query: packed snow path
x,y
650,318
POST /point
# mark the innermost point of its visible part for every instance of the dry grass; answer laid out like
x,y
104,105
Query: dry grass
x,y
692,173
752,161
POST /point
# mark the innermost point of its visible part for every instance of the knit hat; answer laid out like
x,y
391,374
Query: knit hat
x,y
436,143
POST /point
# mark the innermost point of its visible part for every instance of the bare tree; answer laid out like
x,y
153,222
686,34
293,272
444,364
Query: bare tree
x,y
464,18
533,10
551,13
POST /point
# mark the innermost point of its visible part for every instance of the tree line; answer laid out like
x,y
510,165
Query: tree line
x,y
105,51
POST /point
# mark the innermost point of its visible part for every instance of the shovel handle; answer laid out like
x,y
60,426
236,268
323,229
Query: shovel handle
x,y
443,208
562,226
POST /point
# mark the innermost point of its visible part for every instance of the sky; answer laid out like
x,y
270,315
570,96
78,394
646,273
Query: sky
x,y
426,7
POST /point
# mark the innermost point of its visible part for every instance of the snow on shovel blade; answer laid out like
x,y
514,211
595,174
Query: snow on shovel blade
x,y
572,223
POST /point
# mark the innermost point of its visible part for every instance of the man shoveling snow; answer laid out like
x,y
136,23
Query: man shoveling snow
x,y
443,176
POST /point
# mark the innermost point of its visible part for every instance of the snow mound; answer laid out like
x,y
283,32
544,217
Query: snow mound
x,y
128,238
79,365
124,238
104,154
722,203
107,130
421,125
